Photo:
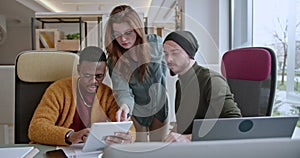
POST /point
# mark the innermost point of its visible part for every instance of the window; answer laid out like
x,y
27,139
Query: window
x,y
274,24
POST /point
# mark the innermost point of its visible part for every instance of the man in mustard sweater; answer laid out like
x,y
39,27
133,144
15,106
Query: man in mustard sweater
x,y
69,106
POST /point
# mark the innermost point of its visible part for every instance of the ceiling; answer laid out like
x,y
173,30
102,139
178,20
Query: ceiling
x,y
158,12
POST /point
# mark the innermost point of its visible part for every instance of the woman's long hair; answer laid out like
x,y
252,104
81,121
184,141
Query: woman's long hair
x,y
121,14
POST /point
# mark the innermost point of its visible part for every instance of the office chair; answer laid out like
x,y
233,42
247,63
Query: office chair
x,y
34,72
251,75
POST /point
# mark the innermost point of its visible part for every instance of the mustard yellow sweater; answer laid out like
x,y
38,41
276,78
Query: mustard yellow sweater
x,y
54,114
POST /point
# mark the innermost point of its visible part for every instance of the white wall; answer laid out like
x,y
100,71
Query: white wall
x,y
7,98
18,30
209,22
7,92
201,18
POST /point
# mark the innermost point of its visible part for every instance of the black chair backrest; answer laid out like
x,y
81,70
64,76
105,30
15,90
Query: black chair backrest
x,y
34,72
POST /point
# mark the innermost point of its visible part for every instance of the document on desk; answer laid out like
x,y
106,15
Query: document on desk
x,y
21,152
75,150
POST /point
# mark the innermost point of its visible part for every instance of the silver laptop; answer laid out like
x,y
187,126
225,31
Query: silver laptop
x,y
244,128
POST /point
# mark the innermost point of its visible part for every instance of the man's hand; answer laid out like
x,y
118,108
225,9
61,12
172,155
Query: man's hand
x,y
122,113
80,136
176,137
119,138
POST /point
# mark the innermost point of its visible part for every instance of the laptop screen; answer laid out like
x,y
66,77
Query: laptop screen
x,y
244,128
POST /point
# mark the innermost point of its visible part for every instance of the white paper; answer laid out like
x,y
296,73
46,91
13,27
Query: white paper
x,y
75,150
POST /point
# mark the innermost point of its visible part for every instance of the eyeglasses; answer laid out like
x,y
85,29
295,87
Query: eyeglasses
x,y
98,77
127,34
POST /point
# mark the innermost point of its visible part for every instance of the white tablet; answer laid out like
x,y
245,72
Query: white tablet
x,y
95,140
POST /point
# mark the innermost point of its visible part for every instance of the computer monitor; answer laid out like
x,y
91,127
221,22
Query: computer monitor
x,y
237,148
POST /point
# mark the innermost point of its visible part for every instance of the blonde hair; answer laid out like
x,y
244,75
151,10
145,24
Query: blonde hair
x,y
121,14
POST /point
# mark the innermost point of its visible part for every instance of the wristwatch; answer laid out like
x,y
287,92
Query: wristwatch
x,y
67,136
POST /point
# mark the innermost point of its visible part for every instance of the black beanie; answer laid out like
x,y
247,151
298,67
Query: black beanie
x,y
186,40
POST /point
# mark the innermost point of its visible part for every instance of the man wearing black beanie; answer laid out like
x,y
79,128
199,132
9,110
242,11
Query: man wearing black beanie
x,y
200,92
